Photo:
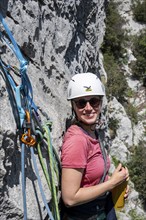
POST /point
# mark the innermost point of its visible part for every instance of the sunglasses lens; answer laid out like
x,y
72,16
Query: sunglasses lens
x,y
94,102
81,103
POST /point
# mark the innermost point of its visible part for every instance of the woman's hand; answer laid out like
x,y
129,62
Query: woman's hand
x,y
119,175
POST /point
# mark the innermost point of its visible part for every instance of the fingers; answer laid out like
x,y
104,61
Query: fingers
x,y
123,172
125,169
127,174
126,192
119,167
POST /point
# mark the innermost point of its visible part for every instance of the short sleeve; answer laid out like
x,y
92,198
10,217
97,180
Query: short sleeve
x,y
74,152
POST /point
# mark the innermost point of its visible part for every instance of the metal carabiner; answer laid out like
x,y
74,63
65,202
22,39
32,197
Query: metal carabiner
x,y
27,138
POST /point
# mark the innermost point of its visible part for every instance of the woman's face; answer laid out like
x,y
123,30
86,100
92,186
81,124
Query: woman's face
x,y
87,108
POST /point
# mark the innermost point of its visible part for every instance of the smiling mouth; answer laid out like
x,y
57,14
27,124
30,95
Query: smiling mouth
x,y
90,114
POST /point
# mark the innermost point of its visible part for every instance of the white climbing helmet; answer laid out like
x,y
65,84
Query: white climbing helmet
x,y
84,84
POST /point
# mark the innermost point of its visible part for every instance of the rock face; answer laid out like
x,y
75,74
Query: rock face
x,y
59,38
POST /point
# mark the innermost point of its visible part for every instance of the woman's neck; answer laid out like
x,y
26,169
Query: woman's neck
x,y
90,129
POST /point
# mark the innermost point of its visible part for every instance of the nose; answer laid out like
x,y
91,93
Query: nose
x,y
88,106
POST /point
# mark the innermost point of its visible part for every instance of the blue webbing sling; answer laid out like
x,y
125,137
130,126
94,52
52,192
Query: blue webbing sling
x,y
21,99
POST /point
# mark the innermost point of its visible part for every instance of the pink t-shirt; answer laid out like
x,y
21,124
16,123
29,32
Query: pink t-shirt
x,y
79,150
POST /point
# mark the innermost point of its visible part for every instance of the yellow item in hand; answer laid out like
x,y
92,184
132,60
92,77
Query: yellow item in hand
x,y
118,195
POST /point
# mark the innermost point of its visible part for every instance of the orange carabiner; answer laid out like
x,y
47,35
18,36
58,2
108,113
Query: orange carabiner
x,y
28,121
27,138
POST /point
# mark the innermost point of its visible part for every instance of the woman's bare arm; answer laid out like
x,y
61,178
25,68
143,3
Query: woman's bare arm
x,y
73,195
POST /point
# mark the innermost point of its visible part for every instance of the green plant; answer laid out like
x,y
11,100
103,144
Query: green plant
x,y
139,50
129,93
114,39
137,169
115,161
113,53
116,85
113,124
135,216
139,10
131,112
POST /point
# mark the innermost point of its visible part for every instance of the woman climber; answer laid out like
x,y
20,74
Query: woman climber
x,y
85,183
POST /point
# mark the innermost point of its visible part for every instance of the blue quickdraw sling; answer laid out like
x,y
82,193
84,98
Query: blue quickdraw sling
x,y
23,107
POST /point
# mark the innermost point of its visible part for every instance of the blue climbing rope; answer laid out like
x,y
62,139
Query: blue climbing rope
x,y
23,179
21,99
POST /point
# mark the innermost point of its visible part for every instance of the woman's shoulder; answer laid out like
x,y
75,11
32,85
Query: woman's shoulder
x,y
74,137
74,130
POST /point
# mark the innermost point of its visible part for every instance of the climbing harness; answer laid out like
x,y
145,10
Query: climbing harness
x,y
33,134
